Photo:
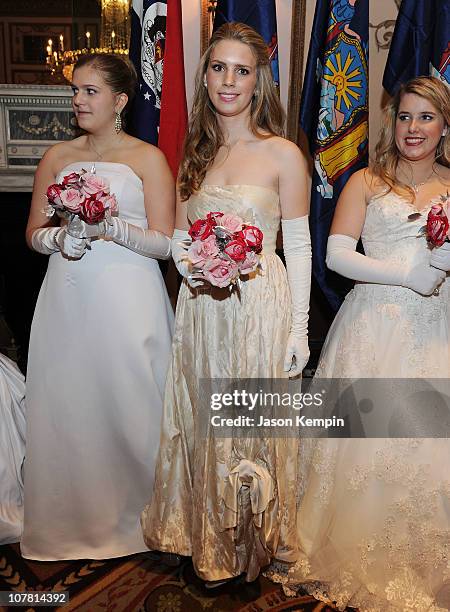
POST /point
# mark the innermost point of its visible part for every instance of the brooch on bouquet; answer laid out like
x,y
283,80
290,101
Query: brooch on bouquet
x,y
223,248
81,196
437,226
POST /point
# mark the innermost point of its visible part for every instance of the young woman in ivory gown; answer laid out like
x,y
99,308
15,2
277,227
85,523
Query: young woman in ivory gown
x,y
235,161
101,335
12,450
374,521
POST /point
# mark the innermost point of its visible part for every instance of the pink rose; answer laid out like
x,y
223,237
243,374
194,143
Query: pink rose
x,y
109,201
92,211
220,272
202,250
93,184
236,250
72,199
54,194
253,237
250,263
230,222
71,179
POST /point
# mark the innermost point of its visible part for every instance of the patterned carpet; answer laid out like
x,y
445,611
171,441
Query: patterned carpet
x,y
138,584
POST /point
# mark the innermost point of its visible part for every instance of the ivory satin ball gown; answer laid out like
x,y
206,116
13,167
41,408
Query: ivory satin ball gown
x,y
227,502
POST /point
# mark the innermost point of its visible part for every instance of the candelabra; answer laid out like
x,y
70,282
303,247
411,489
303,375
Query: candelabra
x,y
114,38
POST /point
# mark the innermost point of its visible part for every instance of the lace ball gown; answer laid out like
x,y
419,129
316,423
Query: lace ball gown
x,y
374,520
12,450
99,351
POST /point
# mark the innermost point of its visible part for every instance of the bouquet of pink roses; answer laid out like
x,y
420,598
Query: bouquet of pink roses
x,y
223,248
437,228
81,195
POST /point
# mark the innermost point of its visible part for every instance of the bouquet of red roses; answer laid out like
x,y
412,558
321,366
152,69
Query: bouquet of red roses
x,y
223,248
81,195
437,228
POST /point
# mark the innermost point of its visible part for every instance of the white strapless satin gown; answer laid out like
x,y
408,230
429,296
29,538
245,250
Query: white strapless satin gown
x,y
99,351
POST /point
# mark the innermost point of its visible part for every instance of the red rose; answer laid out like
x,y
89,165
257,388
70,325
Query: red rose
x,y
437,226
213,217
92,211
200,230
252,237
236,250
71,179
54,194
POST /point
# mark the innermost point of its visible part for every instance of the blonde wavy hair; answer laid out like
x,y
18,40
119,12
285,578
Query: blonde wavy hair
x,y
387,155
204,137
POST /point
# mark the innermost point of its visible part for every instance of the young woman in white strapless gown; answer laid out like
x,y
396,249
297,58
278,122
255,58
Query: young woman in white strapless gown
x,y
12,450
101,336
374,520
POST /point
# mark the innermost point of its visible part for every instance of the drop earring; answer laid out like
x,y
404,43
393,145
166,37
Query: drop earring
x,y
118,123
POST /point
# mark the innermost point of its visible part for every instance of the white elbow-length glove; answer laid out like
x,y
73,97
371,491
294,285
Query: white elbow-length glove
x,y
48,240
440,257
147,242
343,258
297,253
180,244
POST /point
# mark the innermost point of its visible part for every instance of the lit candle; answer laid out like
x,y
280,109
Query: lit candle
x,y
55,55
61,42
88,39
113,36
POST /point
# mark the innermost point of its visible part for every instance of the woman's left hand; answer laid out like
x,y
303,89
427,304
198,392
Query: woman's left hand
x,y
297,354
440,257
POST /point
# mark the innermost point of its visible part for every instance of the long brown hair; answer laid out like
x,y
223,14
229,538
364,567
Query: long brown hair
x,y
386,153
204,137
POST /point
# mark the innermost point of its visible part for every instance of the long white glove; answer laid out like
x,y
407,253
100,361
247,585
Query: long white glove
x,y
180,244
343,258
48,240
147,242
440,257
297,253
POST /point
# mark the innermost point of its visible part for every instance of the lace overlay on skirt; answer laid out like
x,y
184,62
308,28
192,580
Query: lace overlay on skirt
x,y
374,517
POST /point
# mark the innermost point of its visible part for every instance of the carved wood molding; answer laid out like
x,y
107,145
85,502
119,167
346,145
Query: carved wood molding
x,y
296,68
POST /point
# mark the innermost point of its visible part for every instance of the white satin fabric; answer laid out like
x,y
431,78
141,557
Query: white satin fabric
x,y
99,352
12,450
230,502
374,520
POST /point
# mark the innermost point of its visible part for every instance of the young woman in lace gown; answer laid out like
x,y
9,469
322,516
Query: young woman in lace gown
x,y
101,335
230,502
374,521
12,450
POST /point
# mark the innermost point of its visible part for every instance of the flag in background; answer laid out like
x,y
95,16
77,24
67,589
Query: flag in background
x,y
159,113
258,14
420,44
334,117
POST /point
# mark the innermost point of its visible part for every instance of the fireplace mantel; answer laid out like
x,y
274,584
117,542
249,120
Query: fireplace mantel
x,y
32,118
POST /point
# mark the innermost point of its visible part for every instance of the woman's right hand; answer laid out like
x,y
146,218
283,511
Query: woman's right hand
x,y
179,246
70,246
423,278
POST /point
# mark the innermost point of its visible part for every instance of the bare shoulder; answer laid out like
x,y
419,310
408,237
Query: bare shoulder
x,y
142,155
287,154
366,183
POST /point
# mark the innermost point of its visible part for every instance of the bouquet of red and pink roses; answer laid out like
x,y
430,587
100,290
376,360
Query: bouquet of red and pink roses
x,y
223,248
437,228
81,195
